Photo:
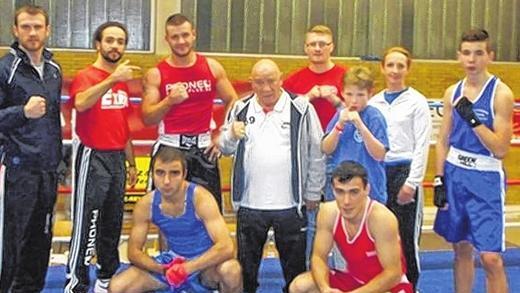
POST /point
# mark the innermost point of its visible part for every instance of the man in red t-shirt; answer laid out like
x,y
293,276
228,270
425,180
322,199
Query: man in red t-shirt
x,y
366,234
321,82
179,95
100,97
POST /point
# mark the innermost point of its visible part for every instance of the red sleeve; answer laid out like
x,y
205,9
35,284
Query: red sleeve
x,y
79,83
288,83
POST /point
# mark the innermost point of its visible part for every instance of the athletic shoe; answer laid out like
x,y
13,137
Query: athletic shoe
x,y
101,286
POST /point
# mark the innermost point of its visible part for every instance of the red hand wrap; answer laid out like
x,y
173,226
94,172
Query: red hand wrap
x,y
177,260
176,275
339,128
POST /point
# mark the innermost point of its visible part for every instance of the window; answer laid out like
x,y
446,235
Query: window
x,y
73,22
430,29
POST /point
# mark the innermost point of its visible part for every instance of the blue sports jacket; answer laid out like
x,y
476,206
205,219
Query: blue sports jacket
x,y
29,143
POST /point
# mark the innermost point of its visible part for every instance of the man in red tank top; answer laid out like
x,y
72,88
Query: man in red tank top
x,y
366,234
179,95
100,97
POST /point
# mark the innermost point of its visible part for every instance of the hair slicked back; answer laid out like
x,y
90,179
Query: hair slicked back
x,y
398,49
98,34
476,35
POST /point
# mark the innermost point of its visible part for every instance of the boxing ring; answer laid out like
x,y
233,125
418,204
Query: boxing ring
x,y
146,144
145,140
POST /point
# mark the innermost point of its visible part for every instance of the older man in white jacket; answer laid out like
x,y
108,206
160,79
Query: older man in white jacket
x,y
278,165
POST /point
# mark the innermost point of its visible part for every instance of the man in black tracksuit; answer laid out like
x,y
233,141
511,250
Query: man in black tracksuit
x,y
30,86
101,100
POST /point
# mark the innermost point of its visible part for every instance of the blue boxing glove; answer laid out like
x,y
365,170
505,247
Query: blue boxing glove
x,y
465,109
439,192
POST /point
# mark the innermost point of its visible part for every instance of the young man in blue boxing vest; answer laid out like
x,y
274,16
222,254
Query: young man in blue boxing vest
x,y
200,255
475,135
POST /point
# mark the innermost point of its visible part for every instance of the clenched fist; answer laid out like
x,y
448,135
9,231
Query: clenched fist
x,y
328,91
238,129
354,118
35,108
177,93
313,93
348,116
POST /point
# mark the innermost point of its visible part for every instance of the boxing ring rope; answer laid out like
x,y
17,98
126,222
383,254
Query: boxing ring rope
x,y
435,107
227,188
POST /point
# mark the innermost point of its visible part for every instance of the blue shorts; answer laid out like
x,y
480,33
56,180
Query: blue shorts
x,y
192,285
476,208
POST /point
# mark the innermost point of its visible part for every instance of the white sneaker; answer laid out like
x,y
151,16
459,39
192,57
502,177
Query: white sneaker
x,y
101,286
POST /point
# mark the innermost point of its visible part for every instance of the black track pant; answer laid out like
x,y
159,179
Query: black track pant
x,y
409,217
99,187
27,199
290,239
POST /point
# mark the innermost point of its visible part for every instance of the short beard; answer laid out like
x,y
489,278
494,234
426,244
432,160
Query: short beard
x,y
32,49
110,60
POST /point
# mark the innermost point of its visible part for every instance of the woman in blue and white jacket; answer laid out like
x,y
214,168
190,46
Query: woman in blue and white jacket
x,y
409,127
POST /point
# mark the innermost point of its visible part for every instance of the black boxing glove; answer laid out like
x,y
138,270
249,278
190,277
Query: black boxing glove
x,y
465,109
439,192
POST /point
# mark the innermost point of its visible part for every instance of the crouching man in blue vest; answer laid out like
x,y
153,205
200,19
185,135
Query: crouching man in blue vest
x,y
200,255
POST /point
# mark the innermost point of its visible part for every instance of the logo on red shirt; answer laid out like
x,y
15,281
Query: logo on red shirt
x,y
117,100
193,86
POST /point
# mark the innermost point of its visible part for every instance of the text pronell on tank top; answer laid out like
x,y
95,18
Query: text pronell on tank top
x,y
194,86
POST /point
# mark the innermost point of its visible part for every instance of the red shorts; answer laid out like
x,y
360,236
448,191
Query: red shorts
x,y
344,281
